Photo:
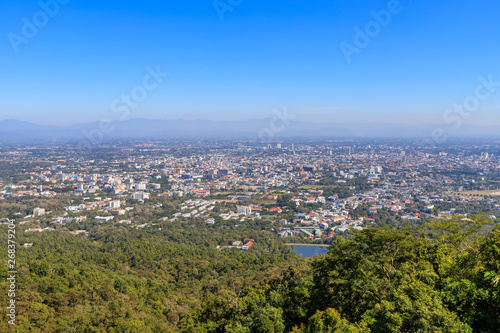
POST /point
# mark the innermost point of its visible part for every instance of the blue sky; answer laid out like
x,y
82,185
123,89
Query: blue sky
x,y
263,55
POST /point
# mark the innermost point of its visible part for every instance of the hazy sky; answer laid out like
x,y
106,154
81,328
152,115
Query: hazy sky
x,y
232,59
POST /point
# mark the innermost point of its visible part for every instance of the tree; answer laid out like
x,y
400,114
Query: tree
x,y
330,321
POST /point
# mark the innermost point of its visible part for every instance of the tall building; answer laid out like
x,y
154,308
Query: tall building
x,y
114,204
244,210
129,184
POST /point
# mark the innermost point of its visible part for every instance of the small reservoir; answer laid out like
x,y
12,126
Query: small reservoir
x,y
305,250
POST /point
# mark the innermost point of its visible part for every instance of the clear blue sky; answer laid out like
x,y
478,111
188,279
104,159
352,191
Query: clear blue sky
x,y
263,55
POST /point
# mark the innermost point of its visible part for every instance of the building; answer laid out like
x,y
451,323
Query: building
x,y
114,204
103,218
129,184
38,211
244,210
140,196
309,168
308,231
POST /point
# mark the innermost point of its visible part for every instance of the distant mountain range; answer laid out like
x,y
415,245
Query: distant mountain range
x,y
256,129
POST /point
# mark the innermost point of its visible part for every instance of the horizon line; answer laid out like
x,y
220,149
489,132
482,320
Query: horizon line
x,y
244,120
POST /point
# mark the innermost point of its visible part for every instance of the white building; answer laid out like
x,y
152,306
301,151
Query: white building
x,y
244,210
114,204
140,196
38,211
103,218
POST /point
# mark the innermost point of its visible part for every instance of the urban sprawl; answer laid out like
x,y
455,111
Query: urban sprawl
x,y
311,191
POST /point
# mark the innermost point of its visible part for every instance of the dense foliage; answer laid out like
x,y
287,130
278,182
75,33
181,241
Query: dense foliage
x,y
127,280
439,277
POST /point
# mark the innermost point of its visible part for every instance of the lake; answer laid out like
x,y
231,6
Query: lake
x,y
310,251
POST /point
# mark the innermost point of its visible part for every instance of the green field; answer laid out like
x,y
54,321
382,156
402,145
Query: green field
x,y
312,187
486,192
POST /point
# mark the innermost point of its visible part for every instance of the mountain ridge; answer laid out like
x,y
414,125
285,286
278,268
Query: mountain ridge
x,y
257,129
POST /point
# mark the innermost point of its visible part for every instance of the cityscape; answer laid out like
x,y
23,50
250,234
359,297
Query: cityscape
x,y
309,190
231,166
237,201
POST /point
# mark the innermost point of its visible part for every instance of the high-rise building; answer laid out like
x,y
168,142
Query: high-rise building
x,y
129,184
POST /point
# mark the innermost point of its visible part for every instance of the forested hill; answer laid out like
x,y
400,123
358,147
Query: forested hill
x,y
439,277
129,280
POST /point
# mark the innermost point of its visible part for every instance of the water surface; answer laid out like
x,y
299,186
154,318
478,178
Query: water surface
x,y
310,251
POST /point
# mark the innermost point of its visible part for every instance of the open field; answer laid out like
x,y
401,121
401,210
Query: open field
x,y
312,187
486,192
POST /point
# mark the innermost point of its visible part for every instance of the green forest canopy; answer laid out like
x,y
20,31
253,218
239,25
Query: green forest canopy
x,y
438,277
